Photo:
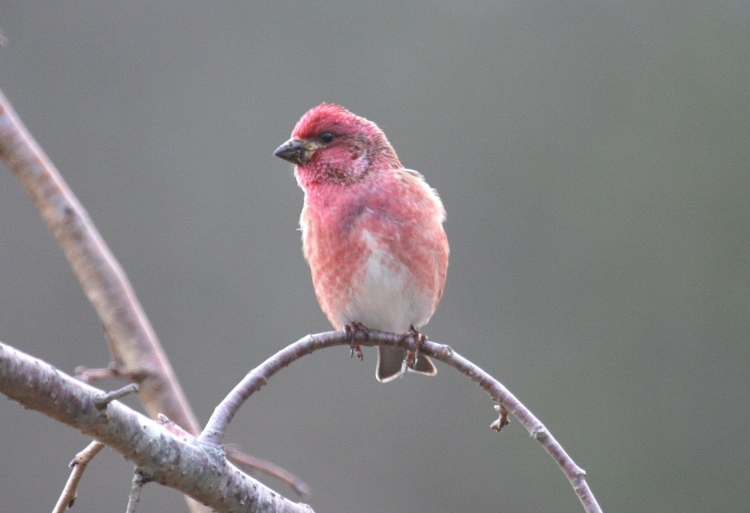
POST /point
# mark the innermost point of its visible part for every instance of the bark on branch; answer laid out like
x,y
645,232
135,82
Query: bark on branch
x,y
197,470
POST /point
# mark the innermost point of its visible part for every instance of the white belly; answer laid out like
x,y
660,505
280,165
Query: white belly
x,y
387,299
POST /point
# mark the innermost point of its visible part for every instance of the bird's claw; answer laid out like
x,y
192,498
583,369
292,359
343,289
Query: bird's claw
x,y
354,349
412,357
502,420
351,331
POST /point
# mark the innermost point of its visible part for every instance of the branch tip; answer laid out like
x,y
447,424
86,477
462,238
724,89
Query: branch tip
x,y
102,400
87,375
78,464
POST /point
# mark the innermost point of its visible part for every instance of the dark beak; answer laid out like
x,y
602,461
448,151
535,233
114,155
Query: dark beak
x,y
295,151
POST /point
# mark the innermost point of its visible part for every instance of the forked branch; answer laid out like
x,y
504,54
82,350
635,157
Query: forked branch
x,y
200,468
136,352
197,470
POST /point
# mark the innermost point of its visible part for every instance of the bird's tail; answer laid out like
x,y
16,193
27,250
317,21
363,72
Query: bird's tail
x,y
391,364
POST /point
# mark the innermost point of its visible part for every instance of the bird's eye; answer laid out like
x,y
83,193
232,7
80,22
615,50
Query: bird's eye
x,y
326,137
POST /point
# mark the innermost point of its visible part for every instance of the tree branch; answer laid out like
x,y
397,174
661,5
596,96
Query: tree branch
x,y
79,464
135,491
213,433
135,349
133,344
200,469
197,470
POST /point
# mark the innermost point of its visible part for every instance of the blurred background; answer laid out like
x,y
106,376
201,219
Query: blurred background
x,y
594,160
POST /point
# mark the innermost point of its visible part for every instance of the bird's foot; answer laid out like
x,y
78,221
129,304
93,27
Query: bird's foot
x,y
412,357
351,331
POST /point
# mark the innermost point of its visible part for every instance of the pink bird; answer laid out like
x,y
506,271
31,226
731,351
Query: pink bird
x,y
372,231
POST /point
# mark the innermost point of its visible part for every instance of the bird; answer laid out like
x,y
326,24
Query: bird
x,y
372,231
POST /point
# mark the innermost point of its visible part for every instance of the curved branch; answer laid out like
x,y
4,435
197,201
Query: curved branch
x,y
213,433
199,471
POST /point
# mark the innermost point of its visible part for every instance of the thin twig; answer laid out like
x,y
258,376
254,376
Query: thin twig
x,y
91,375
135,491
215,429
79,464
251,464
102,401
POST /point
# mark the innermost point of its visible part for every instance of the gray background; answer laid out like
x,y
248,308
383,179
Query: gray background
x,y
594,159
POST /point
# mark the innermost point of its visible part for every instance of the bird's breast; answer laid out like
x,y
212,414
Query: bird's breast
x,y
384,295
359,278
378,259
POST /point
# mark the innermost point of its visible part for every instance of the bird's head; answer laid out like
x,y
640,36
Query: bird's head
x,y
329,144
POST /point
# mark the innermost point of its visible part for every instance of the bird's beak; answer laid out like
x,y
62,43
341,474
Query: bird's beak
x,y
295,151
